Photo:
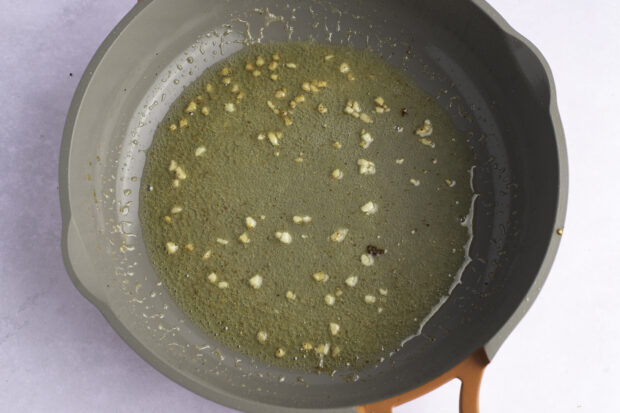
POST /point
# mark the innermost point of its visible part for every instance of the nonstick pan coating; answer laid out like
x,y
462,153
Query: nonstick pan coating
x,y
497,85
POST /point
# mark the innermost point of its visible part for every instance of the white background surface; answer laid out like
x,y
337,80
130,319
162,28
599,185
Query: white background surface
x,y
57,353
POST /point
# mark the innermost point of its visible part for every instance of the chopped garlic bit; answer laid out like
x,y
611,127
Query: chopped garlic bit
x,y
330,299
367,260
379,310
173,127
336,144
207,255
450,182
337,174
427,142
250,222
400,161
369,208
306,86
256,73
300,98
280,93
222,285
276,57
176,209
322,109
291,65
290,295
339,235
183,123
260,61
204,110
226,80
366,167
322,349
261,336
244,238
366,139
280,352
352,280
273,77
222,241
167,219
273,138
334,328
189,247
302,220
425,130
328,57
256,282
284,237
344,68
370,299
365,118
383,291
191,107
173,165
171,247
176,183
415,182
225,71
212,278
381,106
320,276
306,346
200,151
261,137
229,107
180,173
273,65
353,108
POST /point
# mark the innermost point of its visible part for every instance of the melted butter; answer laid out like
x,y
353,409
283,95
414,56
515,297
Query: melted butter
x,y
423,229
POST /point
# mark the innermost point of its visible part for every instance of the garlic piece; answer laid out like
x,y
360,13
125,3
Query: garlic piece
x,y
366,167
339,235
250,222
320,276
171,247
367,260
369,208
256,282
425,130
370,299
200,151
284,237
352,280
330,299
261,336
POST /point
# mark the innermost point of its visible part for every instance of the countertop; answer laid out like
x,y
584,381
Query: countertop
x,y
57,353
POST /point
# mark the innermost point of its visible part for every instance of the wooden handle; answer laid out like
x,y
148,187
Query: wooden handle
x,y
469,371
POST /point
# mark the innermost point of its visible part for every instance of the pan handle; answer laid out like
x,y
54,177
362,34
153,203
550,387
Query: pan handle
x,y
469,371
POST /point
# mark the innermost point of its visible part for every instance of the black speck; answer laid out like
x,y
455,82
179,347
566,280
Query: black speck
x,y
404,112
372,250
70,74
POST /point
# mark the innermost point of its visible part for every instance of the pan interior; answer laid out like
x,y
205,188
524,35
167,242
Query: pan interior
x,y
492,86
